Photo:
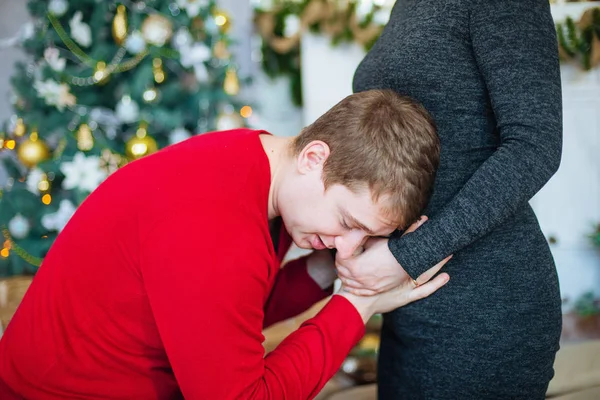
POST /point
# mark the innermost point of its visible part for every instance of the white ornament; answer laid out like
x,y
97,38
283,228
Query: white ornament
x,y
33,179
292,25
179,135
196,54
58,7
127,110
52,57
80,31
54,93
182,39
19,227
157,31
192,7
83,173
135,42
57,221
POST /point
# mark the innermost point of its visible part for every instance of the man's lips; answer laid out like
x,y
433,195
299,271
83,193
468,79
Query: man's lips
x,y
317,243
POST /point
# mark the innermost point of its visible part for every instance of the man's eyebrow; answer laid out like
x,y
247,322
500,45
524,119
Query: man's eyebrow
x,y
355,222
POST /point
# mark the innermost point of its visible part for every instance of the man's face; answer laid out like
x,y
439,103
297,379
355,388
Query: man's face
x,y
337,218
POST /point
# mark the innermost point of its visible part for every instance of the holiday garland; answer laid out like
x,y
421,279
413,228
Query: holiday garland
x,y
281,27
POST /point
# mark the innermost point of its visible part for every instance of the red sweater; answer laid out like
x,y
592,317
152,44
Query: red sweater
x,y
160,286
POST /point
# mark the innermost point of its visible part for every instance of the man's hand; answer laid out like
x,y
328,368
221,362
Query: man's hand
x,y
376,270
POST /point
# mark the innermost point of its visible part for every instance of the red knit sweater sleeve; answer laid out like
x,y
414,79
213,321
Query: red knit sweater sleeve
x,y
207,302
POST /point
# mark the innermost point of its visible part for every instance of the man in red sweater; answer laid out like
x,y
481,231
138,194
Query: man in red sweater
x,y
160,285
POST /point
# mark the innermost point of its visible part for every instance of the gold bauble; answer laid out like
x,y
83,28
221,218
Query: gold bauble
x,y
33,151
119,25
20,128
222,21
157,29
231,84
85,140
141,144
101,74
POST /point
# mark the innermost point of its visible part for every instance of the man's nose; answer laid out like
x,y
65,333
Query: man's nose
x,y
347,245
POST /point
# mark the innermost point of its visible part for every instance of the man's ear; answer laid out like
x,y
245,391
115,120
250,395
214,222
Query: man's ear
x,y
313,156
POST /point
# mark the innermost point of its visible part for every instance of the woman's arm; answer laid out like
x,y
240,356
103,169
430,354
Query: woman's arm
x,y
515,48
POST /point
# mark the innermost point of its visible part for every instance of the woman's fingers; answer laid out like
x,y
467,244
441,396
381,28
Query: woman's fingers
x,y
427,275
428,288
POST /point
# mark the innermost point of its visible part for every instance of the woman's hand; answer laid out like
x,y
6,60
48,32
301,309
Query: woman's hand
x,y
376,270
405,293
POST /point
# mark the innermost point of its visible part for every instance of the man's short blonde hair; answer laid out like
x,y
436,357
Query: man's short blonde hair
x,y
380,140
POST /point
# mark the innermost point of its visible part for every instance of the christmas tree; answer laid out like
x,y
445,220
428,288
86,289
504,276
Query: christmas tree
x,y
106,82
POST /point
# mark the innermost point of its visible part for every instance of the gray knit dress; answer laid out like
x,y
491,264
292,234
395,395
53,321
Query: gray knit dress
x,y
488,72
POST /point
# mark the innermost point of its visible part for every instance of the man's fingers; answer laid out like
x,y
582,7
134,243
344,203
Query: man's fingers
x,y
428,288
415,225
430,273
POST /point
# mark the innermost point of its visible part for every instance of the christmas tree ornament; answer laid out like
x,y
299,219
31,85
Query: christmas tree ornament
x,y
119,25
55,94
82,173
33,151
56,221
80,31
220,50
19,226
222,21
52,57
127,110
150,95
58,7
231,84
110,162
20,128
157,29
85,139
101,74
157,70
141,144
